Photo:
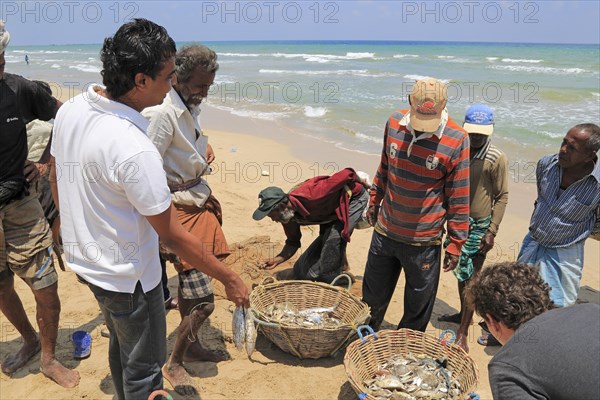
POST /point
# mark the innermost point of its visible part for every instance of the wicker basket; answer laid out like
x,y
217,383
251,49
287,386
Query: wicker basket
x,y
306,342
363,357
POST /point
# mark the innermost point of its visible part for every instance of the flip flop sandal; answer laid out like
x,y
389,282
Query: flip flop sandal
x,y
172,303
452,318
82,343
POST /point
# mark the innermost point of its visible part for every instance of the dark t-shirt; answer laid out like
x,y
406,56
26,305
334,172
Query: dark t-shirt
x,y
21,101
555,356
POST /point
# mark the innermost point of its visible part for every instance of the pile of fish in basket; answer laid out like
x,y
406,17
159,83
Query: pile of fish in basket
x,y
307,319
408,365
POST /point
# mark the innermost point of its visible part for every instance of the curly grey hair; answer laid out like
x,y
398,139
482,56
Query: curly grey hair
x,y
593,142
191,57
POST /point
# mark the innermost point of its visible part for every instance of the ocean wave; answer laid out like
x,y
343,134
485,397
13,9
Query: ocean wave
x,y
86,68
267,116
491,58
544,70
240,54
413,77
406,55
55,66
460,60
512,60
596,94
378,74
325,58
368,138
263,115
346,147
553,135
315,112
318,72
446,57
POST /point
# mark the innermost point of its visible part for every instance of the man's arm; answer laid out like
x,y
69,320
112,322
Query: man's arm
x,y
293,235
161,129
595,234
210,154
508,382
33,170
456,191
379,186
500,200
53,182
191,249
286,253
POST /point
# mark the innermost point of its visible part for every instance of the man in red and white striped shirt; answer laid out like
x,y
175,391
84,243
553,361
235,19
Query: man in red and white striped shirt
x,y
422,183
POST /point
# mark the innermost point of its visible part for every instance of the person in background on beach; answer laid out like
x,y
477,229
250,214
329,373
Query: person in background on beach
x,y
488,174
117,203
421,183
27,59
547,353
25,238
566,213
335,203
175,131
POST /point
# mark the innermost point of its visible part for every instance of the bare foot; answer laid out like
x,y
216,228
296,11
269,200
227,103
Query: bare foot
x,y
179,379
60,374
461,341
197,352
12,363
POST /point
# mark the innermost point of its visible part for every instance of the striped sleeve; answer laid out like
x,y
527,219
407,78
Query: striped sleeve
x,y
457,195
377,191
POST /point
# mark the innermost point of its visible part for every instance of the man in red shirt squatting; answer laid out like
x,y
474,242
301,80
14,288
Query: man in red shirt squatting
x,y
422,181
335,202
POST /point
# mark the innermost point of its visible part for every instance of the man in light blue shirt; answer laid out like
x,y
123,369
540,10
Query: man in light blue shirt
x,y
567,211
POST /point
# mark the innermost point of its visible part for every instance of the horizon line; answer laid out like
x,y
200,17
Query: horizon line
x,y
332,41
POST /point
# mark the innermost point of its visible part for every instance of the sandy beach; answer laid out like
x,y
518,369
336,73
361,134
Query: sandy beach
x,y
244,148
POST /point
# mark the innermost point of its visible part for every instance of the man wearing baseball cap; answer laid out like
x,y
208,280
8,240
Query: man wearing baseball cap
x,y
488,199
25,238
422,184
335,203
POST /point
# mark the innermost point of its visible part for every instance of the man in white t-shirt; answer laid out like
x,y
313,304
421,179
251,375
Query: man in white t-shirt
x,y
115,202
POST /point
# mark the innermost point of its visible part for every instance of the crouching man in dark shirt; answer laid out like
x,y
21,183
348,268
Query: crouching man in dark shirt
x,y
335,203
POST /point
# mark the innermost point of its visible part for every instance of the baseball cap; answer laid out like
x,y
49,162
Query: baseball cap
x,y
268,199
4,37
479,118
427,102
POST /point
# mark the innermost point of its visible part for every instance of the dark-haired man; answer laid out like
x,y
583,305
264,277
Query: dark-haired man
x,y
116,201
566,213
25,239
546,354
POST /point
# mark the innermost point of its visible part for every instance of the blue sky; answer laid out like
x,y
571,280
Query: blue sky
x,y
75,22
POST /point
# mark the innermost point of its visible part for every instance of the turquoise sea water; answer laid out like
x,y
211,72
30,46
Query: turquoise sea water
x,y
343,92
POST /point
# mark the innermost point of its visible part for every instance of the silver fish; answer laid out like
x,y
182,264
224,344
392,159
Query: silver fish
x,y
250,333
315,310
239,328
